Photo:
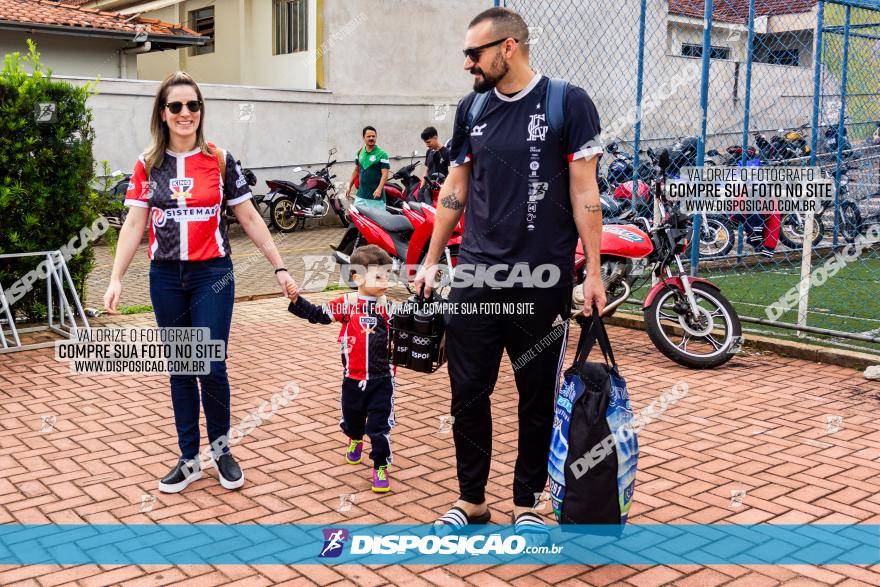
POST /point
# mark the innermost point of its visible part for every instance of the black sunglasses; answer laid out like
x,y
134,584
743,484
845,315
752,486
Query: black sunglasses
x,y
176,107
475,52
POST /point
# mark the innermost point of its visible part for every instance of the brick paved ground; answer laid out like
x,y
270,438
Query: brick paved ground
x,y
757,425
253,274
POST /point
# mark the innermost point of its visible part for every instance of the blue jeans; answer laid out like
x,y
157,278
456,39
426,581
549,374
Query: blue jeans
x,y
196,294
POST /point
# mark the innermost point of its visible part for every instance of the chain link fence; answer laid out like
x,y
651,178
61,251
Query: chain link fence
x,y
744,82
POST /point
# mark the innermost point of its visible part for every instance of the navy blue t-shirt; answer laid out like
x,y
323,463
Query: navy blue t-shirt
x,y
437,161
519,208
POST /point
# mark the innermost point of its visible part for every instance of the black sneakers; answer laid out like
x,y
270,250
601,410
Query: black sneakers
x,y
183,473
231,475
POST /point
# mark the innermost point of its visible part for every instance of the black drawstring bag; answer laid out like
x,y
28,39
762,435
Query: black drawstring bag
x,y
594,450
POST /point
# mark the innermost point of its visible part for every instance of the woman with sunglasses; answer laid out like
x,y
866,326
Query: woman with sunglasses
x,y
181,185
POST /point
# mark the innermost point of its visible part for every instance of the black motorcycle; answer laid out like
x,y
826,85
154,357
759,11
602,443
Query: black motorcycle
x,y
313,196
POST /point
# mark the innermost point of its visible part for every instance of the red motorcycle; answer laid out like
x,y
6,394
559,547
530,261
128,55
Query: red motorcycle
x,y
405,236
404,186
291,204
687,318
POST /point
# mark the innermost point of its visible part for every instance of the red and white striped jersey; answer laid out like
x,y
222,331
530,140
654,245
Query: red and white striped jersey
x,y
363,338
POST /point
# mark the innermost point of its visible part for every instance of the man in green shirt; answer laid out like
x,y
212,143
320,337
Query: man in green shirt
x,y
371,170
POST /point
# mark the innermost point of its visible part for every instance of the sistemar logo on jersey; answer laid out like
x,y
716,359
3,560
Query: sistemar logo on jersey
x,y
181,187
158,217
537,131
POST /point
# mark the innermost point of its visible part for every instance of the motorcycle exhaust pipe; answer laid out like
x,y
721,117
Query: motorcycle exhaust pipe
x,y
610,308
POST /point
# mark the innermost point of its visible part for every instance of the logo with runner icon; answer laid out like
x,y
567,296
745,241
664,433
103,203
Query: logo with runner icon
x,y
334,540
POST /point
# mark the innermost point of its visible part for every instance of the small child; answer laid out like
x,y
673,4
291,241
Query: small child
x,y
368,378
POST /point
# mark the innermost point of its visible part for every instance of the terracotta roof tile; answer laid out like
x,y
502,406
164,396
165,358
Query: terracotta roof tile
x,y
737,11
60,14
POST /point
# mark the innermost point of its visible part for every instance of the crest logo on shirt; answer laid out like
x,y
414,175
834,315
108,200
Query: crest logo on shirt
x,y
181,187
368,323
477,131
537,131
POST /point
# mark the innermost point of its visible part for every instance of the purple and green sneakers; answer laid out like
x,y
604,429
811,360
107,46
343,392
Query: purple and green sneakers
x,y
381,482
355,448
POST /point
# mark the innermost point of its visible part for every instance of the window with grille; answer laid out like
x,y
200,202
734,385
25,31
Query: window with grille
x,y
291,26
693,50
202,22
783,57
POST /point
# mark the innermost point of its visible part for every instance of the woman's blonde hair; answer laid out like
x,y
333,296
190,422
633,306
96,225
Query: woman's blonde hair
x,y
155,155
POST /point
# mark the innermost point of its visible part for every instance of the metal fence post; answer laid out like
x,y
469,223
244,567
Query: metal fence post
x,y
637,137
704,115
748,98
841,128
747,104
806,252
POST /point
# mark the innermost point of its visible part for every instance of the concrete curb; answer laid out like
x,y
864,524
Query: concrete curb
x,y
785,348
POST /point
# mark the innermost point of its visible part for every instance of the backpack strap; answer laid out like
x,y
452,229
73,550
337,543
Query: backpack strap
x,y
476,110
220,154
554,105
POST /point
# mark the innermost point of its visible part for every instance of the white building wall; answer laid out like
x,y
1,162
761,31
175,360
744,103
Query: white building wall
x,y
66,55
279,128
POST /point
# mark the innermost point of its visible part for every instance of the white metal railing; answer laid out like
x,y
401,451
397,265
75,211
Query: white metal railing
x,y
59,284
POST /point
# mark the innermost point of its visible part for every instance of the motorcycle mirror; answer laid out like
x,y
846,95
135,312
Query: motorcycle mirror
x,y
332,150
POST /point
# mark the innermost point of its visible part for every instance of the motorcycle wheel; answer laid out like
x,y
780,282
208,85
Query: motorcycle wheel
x,y
850,221
694,344
716,237
281,215
791,231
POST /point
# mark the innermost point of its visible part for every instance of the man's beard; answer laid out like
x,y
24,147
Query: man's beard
x,y
490,81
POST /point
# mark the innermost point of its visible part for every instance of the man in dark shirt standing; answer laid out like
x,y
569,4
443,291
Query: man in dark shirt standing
x,y
528,191
436,161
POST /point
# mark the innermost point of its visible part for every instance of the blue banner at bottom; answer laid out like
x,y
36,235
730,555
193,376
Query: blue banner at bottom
x,y
252,544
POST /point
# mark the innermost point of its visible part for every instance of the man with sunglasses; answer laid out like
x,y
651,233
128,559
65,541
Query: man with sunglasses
x,y
526,182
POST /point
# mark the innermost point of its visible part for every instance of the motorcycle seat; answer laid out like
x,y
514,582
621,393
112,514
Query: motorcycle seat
x,y
390,222
297,187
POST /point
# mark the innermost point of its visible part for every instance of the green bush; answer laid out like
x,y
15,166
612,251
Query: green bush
x,y
46,172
